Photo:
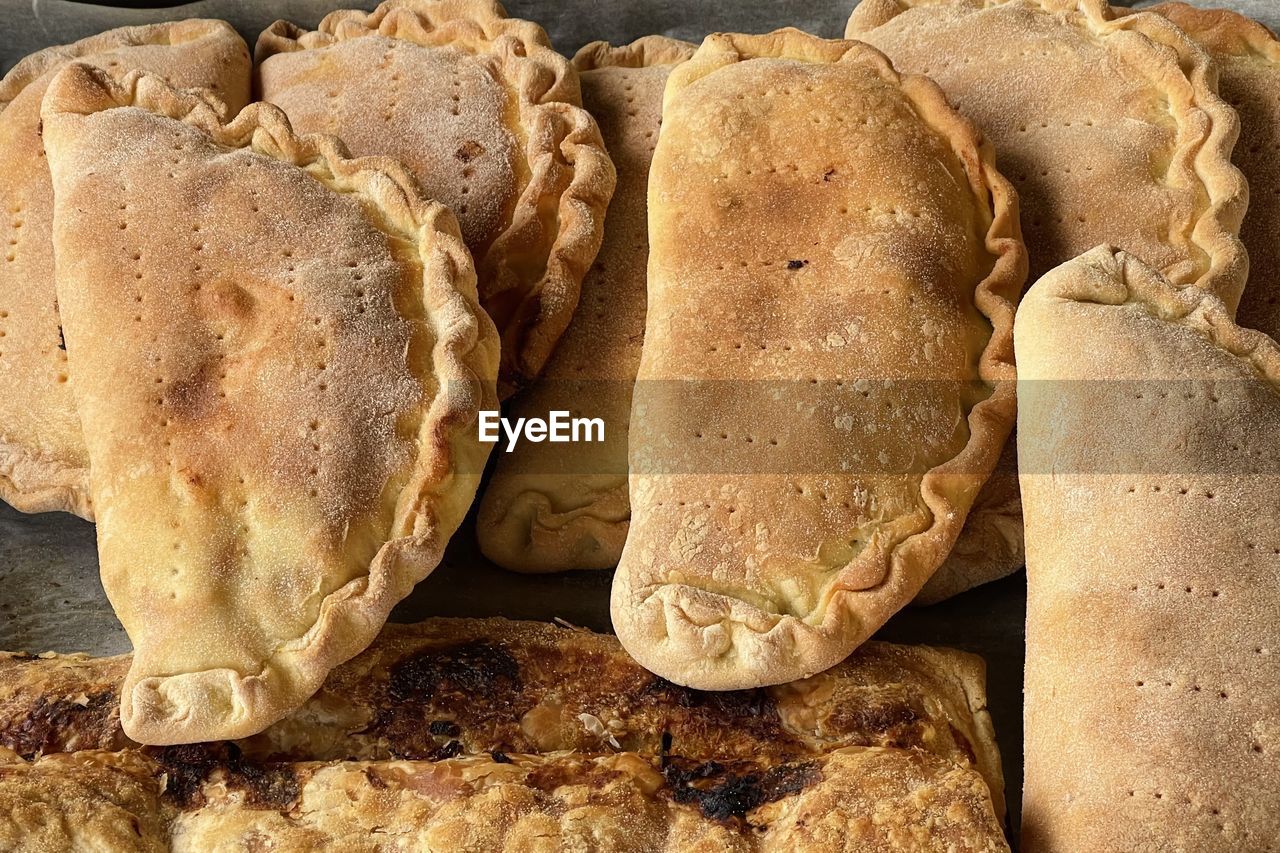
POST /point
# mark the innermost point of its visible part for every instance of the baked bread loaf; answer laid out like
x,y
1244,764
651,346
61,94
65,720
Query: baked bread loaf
x,y
43,462
852,800
488,118
1149,437
827,375
281,356
1247,55
449,687
1111,128
552,507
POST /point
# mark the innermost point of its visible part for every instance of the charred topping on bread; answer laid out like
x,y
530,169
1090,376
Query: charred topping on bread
x,y
725,791
91,719
187,768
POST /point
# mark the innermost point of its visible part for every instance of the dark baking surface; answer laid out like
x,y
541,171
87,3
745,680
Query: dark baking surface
x,y
50,597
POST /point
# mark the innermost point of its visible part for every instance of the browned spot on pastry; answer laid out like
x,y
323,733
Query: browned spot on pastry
x,y
187,768
469,151
375,781
963,743
193,397
726,791
700,714
458,681
796,264
896,722
45,727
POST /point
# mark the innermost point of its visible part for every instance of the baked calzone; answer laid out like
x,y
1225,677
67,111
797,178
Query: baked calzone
x,y
1111,129
1149,436
827,371
551,507
488,118
1248,58
43,462
281,356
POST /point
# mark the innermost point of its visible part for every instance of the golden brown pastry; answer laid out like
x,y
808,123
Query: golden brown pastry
x,y
446,687
551,507
281,357
43,462
1149,437
1248,58
827,374
1111,128
854,800
488,118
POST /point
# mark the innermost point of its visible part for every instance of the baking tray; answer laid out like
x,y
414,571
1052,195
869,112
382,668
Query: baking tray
x,y
50,596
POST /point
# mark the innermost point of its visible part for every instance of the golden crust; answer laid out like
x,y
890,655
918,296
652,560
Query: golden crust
x,y
43,465
1148,437
463,686
1064,124
732,581
553,507
536,218
268,588
1248,59
852,800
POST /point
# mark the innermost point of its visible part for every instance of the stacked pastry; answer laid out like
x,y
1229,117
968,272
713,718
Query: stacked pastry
x,y
254,348
271,348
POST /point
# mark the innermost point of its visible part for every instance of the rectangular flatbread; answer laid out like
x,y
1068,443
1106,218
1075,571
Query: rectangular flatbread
x,y
449,687
856,800
1149,435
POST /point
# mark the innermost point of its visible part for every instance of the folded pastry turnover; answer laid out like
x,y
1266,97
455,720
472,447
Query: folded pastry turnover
x,y
854,800
281,356
448,687
488,118
1248,58
827,370
43,462
1149,437
1111,128
551,507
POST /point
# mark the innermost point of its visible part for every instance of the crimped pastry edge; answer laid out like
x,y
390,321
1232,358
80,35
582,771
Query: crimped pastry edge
x,y
510,513
29,481
1205,158
644,52
1219,30
556,129
784,648
464,359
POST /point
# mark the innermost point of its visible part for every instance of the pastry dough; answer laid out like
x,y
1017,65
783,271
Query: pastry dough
x,y
281,357
1248,58
487,116
475,686
1149,437
1112,130
827,371
43,462
551,507
854,800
